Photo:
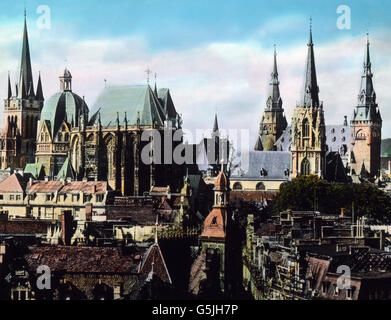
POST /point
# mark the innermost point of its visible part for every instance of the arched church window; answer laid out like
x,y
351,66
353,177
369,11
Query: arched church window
x,y
237,186
66,137
306,128
41,137
46,137
305,167
59,137
260,186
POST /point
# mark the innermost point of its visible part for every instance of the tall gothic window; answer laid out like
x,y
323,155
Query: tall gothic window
x,y
306,129
305,167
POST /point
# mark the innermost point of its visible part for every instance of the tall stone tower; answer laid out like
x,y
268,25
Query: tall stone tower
x,y
215,234
273,121
21,114
366,126
308,128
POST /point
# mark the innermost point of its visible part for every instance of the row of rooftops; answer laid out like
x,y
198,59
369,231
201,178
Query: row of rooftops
x,y
16,183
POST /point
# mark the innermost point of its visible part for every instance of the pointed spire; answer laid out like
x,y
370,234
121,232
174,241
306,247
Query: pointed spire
x,y
155,90
39,89
258,145
26,74
311,89
126,121
367,95
274,100
215,124
9,87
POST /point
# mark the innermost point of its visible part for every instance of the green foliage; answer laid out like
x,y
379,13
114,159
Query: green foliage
x,y
312,193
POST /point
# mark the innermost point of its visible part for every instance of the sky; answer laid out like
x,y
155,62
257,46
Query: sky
x,y
214,55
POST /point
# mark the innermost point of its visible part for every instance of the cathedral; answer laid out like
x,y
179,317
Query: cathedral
x,y
68,141
332,152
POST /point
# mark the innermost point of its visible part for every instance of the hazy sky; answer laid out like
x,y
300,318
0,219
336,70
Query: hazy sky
x,y
214,54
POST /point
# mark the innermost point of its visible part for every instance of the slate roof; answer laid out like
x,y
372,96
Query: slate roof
x,y
336,137
275,163
63,105
136,101
14,183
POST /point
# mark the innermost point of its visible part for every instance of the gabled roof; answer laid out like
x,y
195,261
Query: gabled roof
x,y
66,171
167,103
35,170
14,183
138,101
154,263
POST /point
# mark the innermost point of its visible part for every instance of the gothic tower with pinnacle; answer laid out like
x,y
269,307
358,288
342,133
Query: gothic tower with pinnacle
x,y
273,121
22,111
366,126
308,126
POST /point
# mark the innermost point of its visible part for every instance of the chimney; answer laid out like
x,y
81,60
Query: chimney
x,y
46,178
30,181
342,213
66,227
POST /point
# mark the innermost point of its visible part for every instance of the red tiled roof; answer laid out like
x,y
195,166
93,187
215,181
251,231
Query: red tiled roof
x,y
44,187
23,227
87,259
254,196
14,183
214,224
85,186
154,258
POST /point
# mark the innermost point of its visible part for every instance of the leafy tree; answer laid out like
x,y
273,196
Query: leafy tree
x,y
313,193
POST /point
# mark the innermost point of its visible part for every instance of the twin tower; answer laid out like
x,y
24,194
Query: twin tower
x,y
308,145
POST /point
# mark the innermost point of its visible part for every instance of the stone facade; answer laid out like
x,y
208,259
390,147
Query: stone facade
x,y
365,143
308,126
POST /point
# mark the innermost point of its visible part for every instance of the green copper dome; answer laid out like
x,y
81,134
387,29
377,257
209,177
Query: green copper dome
x,y
64,105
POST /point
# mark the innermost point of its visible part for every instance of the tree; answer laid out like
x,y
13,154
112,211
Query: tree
x,y
312,193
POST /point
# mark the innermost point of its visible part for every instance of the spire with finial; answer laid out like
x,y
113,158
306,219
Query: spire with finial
x,y
274,100
311,89
26,75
